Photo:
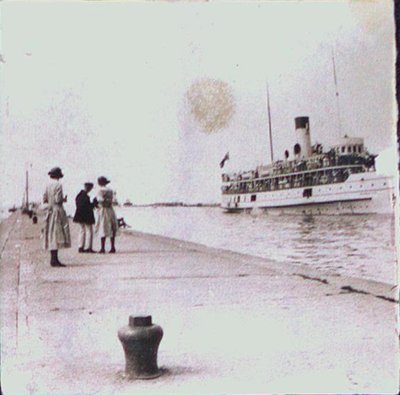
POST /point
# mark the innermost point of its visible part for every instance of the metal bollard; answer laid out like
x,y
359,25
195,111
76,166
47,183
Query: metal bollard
x,y
140,340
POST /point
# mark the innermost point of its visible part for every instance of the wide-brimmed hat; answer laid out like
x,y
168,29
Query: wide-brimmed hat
x,y
103,180
89,184
56,172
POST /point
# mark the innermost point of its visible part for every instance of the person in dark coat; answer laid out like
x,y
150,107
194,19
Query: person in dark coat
x,y
85,218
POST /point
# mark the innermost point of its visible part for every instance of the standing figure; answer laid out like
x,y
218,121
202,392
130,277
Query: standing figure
x,y
85,218
107,223
56,231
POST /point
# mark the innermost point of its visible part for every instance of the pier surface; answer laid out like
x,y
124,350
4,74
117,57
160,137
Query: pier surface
x,y
232,323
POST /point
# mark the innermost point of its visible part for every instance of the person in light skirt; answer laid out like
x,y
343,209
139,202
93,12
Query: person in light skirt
x,y
56,227
85,218
107,223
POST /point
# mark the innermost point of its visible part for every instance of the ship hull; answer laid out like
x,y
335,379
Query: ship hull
x,y
360,194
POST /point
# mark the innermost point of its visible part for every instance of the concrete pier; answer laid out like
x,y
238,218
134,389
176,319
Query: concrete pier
x,y
232,323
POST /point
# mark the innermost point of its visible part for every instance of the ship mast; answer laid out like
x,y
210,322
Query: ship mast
x,y
27,189
336,91
27,186
269,126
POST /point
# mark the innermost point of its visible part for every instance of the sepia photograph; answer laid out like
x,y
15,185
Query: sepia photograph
x,y
199,197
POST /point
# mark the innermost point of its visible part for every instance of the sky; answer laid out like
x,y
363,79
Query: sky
x,y
153,94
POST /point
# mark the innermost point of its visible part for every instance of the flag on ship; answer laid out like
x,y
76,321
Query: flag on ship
x,y
222,163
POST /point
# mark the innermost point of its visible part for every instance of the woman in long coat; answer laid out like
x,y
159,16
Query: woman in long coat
x,y
107,223
56,230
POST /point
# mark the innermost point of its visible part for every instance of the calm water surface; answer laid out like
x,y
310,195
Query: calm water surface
x,y
360,246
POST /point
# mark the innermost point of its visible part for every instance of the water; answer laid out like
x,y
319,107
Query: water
x,y
359,246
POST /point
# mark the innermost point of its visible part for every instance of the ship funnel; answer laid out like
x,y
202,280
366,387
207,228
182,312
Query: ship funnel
x,y
302,148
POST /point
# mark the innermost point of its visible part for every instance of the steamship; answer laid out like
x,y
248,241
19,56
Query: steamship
x,y
311,180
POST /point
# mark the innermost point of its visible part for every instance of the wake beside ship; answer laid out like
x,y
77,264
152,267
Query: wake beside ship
x,y
311,180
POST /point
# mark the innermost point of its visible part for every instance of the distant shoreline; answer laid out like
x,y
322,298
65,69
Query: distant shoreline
x,y
172,204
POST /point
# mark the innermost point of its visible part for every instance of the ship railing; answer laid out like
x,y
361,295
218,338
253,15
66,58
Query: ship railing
x,y
325,161
354,167
312,178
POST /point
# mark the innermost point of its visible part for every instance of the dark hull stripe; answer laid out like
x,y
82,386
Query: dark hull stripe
x,y
297,205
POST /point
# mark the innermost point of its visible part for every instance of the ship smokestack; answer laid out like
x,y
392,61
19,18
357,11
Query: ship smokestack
x,y
302,148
